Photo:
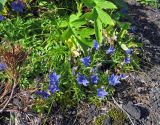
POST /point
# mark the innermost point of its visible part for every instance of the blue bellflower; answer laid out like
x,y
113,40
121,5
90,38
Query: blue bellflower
x,y
127,60
101,93
53,88
1,17
18,6
123,76
128,51
94,79
44,94
114,80
95,45
2,66
54,80
81,79
94,69
86,61
110,50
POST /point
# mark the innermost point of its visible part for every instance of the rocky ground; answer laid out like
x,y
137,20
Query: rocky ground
x,y
141,99
138,98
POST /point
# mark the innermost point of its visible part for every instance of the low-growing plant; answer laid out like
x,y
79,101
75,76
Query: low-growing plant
x,y
74,57
153,3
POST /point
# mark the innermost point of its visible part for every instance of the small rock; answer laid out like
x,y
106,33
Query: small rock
x,y
89,119
146,41
108,121
133,110
93,107
17,102
74,112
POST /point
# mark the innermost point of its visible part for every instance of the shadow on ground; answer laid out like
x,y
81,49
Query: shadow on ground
x,y
147,23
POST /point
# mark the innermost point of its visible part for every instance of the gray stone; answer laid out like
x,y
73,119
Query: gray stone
x,y
17,102
89,119
108,121
133,110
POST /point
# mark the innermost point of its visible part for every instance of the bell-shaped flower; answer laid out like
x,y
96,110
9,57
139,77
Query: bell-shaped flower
x,y
101,93
86,61
114,80
94,79
110,50
95,45
81,79
18,6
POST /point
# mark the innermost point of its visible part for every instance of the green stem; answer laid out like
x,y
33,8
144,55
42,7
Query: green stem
x,y
48,112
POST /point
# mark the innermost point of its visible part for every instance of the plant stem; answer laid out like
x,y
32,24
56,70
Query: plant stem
x,y
48,112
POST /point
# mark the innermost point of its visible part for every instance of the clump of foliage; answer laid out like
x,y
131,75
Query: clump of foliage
x,y
76,53
118,117
100,120
153,3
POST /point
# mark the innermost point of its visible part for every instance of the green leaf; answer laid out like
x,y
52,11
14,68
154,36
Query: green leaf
x,y
66,34
98,30
90,15
105,4
104,17
85,32
89,3
86,42
78,23
2,3
73,17
63,23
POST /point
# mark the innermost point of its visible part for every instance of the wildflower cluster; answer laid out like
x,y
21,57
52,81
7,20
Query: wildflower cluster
x,y
18,6
53,86
83,67
95,76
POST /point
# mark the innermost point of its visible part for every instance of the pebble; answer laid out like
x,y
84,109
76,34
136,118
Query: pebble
x,y
133,110
108,121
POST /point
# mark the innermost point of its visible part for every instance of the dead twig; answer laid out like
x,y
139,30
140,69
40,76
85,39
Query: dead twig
x,y
7,87
123,110
10,97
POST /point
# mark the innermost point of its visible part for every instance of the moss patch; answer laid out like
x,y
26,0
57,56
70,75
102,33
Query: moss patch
x,y
100,120
118,117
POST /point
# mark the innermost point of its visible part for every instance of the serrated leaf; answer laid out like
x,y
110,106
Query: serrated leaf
x,y
63,24
73,17
78,23
85,32
66,34
104,17
98,30
105,4
90,15
89,3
